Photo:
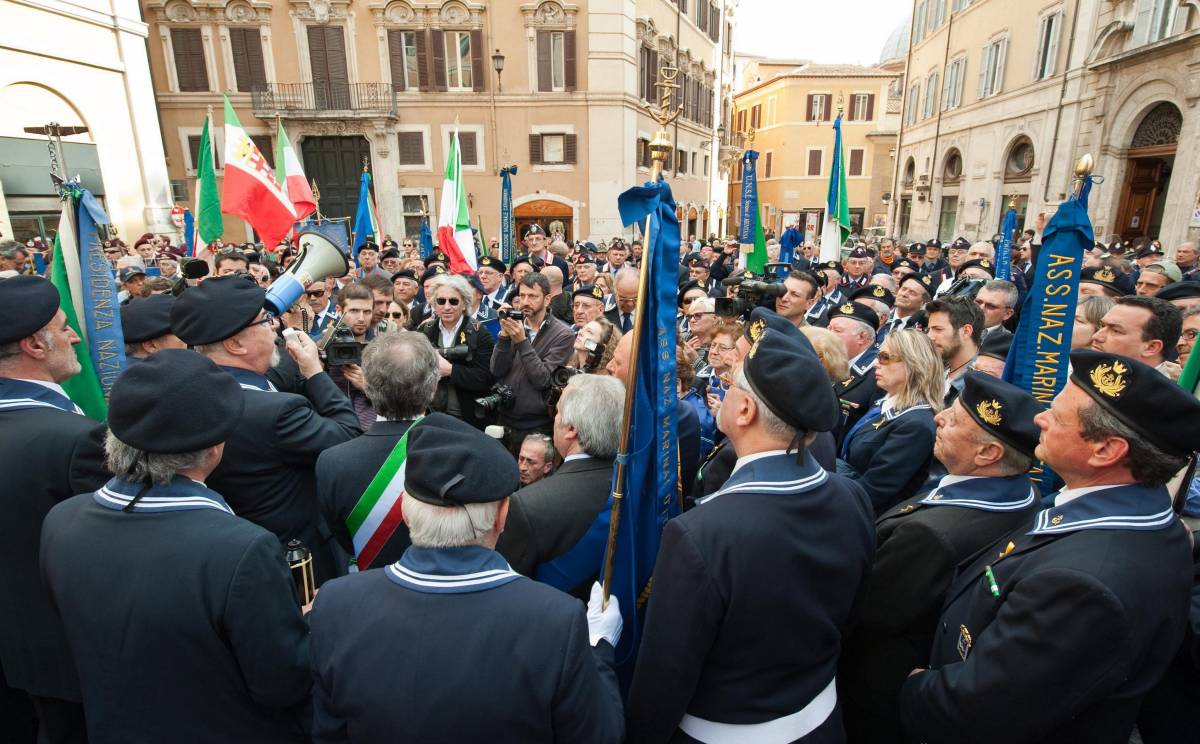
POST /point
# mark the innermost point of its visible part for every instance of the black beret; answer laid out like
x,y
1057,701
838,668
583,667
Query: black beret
x,y
593,291
437,257
1179,291
451,463
1003,410
492,262
216,308
924,281
389,243
996,345
904,263
534,229
960,244
523,259
1142,397
935,243
389,253
369,246
857,311
405,274
785,373
431,272
760,320
979,263
916,249
684,288
143,413
27,304
146,319
1103,276
830,264
858,252
874,292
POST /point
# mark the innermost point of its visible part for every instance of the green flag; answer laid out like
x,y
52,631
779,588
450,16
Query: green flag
x,y
756,260
84,388
1190,379
209,223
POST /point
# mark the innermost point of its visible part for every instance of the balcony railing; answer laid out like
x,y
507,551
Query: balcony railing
x,y
322,99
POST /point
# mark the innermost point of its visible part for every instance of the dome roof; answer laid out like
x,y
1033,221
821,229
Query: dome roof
x,y
896,45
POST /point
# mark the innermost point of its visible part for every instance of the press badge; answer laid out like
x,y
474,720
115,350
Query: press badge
x,y
964,642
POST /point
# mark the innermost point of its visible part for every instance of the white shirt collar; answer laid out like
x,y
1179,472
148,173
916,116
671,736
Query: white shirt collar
x,y
887,404
49,385
577,456
950,480
1068,495
756,456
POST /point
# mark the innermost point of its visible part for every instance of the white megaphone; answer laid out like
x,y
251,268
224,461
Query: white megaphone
x,y
319,259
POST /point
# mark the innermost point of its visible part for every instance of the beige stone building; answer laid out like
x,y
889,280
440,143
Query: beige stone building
x,y
555,88
79,64
1004,95
791,105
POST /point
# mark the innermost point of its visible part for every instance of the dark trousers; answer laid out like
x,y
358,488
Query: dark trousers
x,y
59,721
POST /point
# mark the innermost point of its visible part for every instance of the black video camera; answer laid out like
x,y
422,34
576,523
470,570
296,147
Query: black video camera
x,y
342,350
510,314
965,286
502,396
750,294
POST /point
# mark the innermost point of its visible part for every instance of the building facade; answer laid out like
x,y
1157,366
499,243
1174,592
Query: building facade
x,y
79,64
790,105
556,88
1002,98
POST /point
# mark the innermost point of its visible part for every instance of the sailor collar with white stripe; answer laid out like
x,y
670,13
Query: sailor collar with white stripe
x,y
17,394
251,380
995,494
773,472
862,363
888,410
1131,506
181,494
451,570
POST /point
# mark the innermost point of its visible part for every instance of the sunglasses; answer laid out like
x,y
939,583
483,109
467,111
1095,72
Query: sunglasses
x,y
452,301
885,358
316,293
396,315
694,316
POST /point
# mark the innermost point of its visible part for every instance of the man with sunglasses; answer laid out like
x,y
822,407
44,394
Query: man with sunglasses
x,y
267,474
324,310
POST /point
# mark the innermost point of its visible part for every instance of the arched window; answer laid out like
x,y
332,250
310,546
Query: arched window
x,y
953,168
1019,162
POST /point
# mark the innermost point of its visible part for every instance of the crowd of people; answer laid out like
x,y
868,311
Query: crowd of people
x,y
860,552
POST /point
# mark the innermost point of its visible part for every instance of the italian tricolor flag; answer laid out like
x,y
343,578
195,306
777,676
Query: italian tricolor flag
x,y
454,224
289,174
378,512
250,190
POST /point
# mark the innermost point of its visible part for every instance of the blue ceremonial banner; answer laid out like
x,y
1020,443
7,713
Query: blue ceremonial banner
x,y
791,239
1040,352
1004,250
101,316
364,219
749,197
189,231
508,228
425,243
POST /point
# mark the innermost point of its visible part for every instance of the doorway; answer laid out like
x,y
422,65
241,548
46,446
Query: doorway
x,y
1149,164
336,164
553,216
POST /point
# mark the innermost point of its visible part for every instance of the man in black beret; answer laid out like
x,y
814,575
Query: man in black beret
x,y
978,268
1072,618
391,260
993,353
914,291
986,440
714,669
491,273
368,262
831,291
878,298
146,324
49,452
587,304
856,325
1182,295
156,579
1100,281
511,654
858,265
267,471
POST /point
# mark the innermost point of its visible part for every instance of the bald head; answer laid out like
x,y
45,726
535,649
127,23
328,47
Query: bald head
x,y
553,275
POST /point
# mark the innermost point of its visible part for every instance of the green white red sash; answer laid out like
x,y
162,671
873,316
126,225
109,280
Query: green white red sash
x,y
378,512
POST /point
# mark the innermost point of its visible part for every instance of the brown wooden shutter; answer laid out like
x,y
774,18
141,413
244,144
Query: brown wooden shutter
x,y
856,163
423,60
317,56
808,107
814,162
570,148
543,61
194,151
188,48
263,143
468,148
870,107
437,42
335,46
396,57
767,169
569,59
535,149
248,67
412,148
828,107
477,76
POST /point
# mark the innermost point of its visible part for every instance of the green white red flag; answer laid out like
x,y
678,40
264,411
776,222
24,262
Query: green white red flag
x,y
454,223
289,174
250,190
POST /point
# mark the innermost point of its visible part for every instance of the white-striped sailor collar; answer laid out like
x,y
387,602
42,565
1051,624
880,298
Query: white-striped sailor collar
x,y
864,361
251,380
17,393
450,570
773,472
997,494
1127,507
181,494
888,410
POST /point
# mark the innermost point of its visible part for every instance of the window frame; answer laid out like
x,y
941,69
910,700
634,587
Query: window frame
x,y
991,68
808,153
464,64
952,84
426,148
1045,64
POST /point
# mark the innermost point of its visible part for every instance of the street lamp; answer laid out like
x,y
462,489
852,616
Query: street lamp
x,y
498,66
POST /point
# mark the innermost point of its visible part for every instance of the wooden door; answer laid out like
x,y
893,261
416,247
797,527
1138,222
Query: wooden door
x,y
331,77
1138,197
336,164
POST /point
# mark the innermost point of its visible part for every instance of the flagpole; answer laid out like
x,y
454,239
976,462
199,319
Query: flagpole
x,y
660,150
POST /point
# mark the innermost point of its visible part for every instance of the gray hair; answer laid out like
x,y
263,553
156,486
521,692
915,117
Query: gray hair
x,y
1148,464
10,248
546,443
593,405
628,272
452,281
984,245
402,374
1012,462
1003,285
12,350
139,466
432,526
887,281
772,424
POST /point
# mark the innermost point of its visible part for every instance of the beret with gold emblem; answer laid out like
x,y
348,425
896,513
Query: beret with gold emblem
x,y
874,292
904,263
857,311
785,373
916,249
1140,396
924,281
760,320
1103,276
1003,410
492,262
590,291
437,257
979,263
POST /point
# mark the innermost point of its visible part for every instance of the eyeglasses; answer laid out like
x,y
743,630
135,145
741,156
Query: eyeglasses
x,y
885,358
1190,334
408,245
721,348
990,305
396,315
694,316
452,301
265,320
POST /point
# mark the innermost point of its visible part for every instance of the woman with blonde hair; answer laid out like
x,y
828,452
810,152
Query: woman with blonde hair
x,y
890,448
830,350
1088,313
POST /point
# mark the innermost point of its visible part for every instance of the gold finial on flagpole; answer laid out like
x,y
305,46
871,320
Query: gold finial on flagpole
x,y
366,164
424,207
750,139
841,103
1012,202
316,198
1083,170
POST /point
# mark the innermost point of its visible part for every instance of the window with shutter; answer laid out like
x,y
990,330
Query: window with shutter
x,y
809,109
248,67
756,116
767,165
681,159
814,162
856,162
569,60
570,148
468,148
437,46
535,149
460,68
474,51
1047,54
194,154
412,148
544,83
425,64
403,59
187,46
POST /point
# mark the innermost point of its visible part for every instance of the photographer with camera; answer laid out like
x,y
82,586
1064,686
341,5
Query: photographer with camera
x,y
464,350
342,344
531,346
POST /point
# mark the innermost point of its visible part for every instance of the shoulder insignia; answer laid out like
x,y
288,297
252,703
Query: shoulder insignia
x,y
906,508
1057,520
989,412
756,329
1109,379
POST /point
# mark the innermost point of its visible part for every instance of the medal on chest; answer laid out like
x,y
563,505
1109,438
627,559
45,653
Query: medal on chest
x,y
964,642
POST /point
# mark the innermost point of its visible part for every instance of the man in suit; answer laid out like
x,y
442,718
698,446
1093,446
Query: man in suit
x,y
449,643
626,286
548,519
49,452
1070,620
856,325
267,473
182,617
998,301
491,276
986,441
401,372
724,653
322,305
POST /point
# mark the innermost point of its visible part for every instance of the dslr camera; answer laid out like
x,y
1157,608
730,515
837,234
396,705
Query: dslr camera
x,y
459,353
501,396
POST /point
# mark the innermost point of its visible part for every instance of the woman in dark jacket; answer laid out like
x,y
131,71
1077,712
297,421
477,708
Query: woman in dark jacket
x,y
890,448
464,350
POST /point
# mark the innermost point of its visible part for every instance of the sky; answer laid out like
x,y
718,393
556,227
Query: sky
x,y
843,31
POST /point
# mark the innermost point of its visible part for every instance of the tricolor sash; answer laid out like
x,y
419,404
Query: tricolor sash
x,y
378,512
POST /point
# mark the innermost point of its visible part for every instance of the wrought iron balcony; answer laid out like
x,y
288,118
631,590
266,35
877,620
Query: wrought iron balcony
x,y
324,100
